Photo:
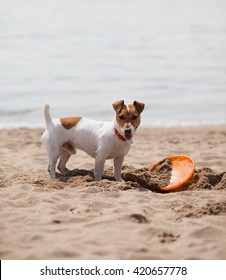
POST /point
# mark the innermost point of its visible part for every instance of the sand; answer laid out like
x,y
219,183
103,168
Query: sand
x,y
74,217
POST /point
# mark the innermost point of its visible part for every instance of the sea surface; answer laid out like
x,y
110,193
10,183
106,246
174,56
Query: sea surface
x,y
82,55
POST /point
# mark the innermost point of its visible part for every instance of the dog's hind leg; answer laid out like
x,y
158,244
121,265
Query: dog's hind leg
x,y
53,157
67,150
64,157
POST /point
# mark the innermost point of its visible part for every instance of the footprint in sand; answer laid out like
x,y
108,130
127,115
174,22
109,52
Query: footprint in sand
x,y
138,218
167,237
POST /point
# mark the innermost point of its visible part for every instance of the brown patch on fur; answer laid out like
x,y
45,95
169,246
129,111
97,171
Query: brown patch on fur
x,y
126,116
70,122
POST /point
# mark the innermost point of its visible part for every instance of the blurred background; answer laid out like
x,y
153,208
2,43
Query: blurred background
x,y
82,55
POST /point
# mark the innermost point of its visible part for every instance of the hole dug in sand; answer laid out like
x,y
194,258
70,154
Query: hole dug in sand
x,y
134,178
144,178
203,179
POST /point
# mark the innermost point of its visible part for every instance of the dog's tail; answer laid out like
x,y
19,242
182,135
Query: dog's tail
x,y
47,116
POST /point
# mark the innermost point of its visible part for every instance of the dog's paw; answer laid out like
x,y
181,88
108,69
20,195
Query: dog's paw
x,y
119,180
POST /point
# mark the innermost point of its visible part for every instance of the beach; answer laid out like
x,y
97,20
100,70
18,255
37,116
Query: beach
x,y
74,217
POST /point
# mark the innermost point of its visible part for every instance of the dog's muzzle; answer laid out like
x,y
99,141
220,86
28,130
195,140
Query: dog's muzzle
x,y
128,134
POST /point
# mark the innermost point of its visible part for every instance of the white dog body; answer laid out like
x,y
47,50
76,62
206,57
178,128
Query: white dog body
x,y
101,140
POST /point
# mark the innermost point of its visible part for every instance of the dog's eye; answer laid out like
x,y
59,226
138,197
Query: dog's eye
x,y
121,117
134,117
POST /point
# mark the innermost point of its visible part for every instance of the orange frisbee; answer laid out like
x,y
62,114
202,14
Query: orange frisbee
x,y
183,168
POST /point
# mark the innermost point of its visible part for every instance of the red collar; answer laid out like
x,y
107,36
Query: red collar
x,y
120,136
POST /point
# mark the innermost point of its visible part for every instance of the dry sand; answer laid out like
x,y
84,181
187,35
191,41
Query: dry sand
x,y
74,217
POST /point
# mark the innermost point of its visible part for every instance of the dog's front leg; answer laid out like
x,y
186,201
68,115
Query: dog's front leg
x,y
99,167
118,168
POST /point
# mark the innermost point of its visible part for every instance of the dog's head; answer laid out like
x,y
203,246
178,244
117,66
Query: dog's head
x,y
128,117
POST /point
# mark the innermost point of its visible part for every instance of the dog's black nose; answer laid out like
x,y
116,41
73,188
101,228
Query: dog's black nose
x,y
128,131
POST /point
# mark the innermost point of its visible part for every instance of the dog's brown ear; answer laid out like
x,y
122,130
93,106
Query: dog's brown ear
x,y
139,106
118,105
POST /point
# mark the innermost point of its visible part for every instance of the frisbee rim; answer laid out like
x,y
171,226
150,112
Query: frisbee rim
x,y
174,157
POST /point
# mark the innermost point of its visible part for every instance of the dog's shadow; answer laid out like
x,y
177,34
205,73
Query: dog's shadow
x,y
88,175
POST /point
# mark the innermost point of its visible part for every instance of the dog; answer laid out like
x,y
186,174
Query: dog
x,y
101,140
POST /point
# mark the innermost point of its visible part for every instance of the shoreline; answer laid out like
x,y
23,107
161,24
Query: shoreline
x,y
77,218
144,125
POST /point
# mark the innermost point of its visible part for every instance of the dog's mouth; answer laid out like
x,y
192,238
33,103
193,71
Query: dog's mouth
x,y
128,136
128,133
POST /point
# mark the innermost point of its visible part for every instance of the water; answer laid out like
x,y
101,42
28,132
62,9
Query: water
x,y
82,55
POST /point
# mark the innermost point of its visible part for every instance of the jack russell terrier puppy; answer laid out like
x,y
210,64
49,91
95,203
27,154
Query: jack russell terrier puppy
x,y
101,140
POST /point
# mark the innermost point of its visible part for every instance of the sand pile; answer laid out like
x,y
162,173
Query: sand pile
x,y
206,178
203,179
152,180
